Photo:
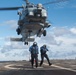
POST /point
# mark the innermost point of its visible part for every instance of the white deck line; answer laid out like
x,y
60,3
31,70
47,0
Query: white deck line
x,y
9,67
60,67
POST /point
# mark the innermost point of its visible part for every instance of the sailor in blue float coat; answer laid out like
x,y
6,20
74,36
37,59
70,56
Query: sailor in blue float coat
x,y
43,51
34,54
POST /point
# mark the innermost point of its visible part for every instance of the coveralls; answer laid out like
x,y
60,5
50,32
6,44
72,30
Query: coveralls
x,y
43,51
34,55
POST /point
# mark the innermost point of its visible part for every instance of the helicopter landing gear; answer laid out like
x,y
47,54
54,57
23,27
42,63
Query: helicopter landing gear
x,y
44,33
26,43
18,31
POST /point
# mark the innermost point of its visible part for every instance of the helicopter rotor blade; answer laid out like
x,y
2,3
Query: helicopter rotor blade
x,y
10,8
57,1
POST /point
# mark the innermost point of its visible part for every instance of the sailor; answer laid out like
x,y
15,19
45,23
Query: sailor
x,y
34,54
43,51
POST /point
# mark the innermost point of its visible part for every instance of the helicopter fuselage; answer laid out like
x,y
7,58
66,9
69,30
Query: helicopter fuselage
x,y
32,21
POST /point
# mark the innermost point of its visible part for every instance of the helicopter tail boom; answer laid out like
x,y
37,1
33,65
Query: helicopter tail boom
x,y
16,39
20,39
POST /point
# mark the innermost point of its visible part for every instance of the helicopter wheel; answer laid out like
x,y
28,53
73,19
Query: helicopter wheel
x,y
18,31
26,43
44,33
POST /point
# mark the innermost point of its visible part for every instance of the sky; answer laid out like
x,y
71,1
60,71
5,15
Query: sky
x,y
60,39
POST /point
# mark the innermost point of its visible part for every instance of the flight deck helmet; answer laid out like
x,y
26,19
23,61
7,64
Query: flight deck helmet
x,y
35,44
44,46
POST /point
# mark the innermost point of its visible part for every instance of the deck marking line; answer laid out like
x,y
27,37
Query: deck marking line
x,y
69,69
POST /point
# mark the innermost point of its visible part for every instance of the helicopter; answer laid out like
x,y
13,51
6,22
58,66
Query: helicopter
x,y
32,21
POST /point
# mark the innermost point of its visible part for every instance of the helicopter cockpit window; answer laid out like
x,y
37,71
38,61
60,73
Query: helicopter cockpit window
x,y
30,6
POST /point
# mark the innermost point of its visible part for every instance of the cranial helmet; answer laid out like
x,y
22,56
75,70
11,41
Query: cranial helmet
x,y
44,45
39,5
34,44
